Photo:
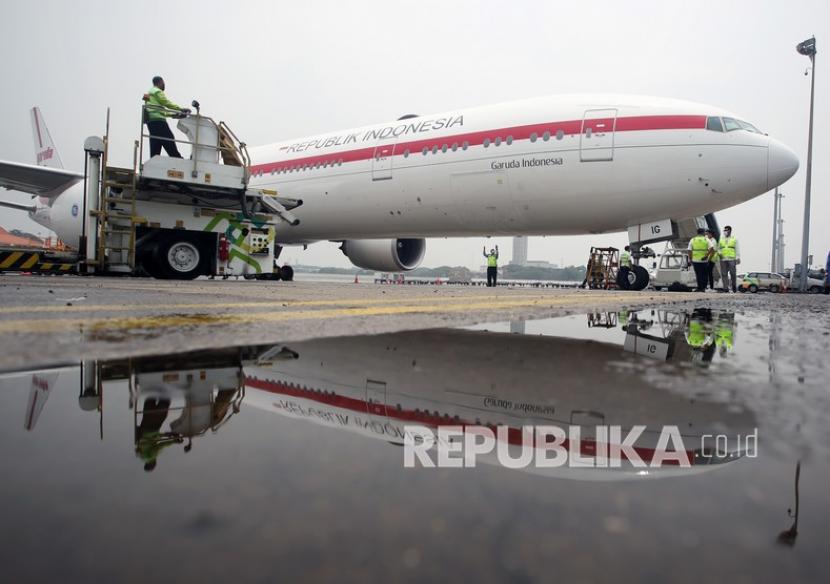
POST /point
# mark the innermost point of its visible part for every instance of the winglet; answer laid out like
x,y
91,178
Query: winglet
x,y
45,151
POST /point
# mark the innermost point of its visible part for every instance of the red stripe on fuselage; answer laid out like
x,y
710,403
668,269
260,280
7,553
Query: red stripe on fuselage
x,y
568,128
514,435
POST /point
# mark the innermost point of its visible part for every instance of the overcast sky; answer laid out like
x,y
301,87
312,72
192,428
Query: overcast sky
x,y
276,71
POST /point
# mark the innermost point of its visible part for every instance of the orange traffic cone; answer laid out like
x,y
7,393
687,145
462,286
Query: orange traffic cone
x,y
356,279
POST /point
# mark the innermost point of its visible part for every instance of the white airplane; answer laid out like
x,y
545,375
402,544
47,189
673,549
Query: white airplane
x,y
545,166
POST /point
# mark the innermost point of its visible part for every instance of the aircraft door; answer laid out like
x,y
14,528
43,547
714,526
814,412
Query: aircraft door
x,y
375,397
597,139
382,161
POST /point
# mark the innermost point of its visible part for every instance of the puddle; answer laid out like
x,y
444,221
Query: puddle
x,y
289,459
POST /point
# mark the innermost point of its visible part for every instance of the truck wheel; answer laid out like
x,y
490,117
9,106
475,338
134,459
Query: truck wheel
x,y
287,273
177,259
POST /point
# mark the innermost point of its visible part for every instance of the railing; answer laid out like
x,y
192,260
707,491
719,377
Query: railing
x,y
232,151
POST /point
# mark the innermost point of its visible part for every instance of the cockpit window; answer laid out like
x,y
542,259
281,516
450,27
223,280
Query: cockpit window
x,y
731,124
714,124
747,126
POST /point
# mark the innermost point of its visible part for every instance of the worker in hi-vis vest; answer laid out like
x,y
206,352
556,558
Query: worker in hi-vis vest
x,y
156,111
729,258
492,265
713,257
625,264
699,251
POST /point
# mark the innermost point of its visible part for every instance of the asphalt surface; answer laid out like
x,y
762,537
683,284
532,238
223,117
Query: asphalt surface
x,y
49,320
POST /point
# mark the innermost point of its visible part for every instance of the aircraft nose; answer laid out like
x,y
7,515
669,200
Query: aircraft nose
x,y
782,163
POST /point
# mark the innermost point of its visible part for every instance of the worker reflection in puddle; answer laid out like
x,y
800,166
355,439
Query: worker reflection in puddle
x,y
156,112
699,335
149,440
725,333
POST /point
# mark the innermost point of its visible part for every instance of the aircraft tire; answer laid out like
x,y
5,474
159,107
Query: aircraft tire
x,y
624,283
640,278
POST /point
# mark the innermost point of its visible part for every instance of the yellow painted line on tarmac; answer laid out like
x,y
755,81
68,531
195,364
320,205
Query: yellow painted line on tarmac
x,y
184,320
271,304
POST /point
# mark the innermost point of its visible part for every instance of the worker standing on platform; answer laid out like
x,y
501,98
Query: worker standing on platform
x,y
492,265
699,252
156,113
729,258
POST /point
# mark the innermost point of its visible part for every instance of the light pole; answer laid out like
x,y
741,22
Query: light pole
x,y
808,49
773,262
780,241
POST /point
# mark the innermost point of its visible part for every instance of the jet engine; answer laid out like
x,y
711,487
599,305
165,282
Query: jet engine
x,y
385,255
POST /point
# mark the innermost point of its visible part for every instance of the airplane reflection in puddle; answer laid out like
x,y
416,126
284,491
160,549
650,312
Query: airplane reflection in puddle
x,y
376,385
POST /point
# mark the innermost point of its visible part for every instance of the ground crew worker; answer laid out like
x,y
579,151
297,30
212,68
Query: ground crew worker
x,y
699,335
725,334
729,258
149,440
156,112
713,257
625,265
492,265
699,252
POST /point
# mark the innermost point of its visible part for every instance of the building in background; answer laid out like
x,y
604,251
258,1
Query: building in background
x,y
519,251
16,238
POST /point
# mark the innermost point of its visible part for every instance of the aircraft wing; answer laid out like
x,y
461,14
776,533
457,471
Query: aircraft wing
x,y
36,180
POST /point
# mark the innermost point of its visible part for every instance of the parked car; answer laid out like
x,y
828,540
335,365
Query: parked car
x,y
815,281
755,281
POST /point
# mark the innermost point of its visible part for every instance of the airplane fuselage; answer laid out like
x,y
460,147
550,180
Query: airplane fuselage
x,y
546,166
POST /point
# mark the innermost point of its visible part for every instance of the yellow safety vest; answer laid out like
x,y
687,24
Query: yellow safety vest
x,y
700,248
625,259
158,105
697,334
723,337
492,260
727,248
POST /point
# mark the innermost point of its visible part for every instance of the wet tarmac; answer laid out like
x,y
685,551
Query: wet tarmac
x,y
285,461
69,318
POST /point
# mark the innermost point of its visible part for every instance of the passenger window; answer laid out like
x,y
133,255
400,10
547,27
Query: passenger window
x,y
533,137
546,136
498,141
714,124
560,134
454,146
731,124
406,153
487,142
424,151
509,140
465,145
